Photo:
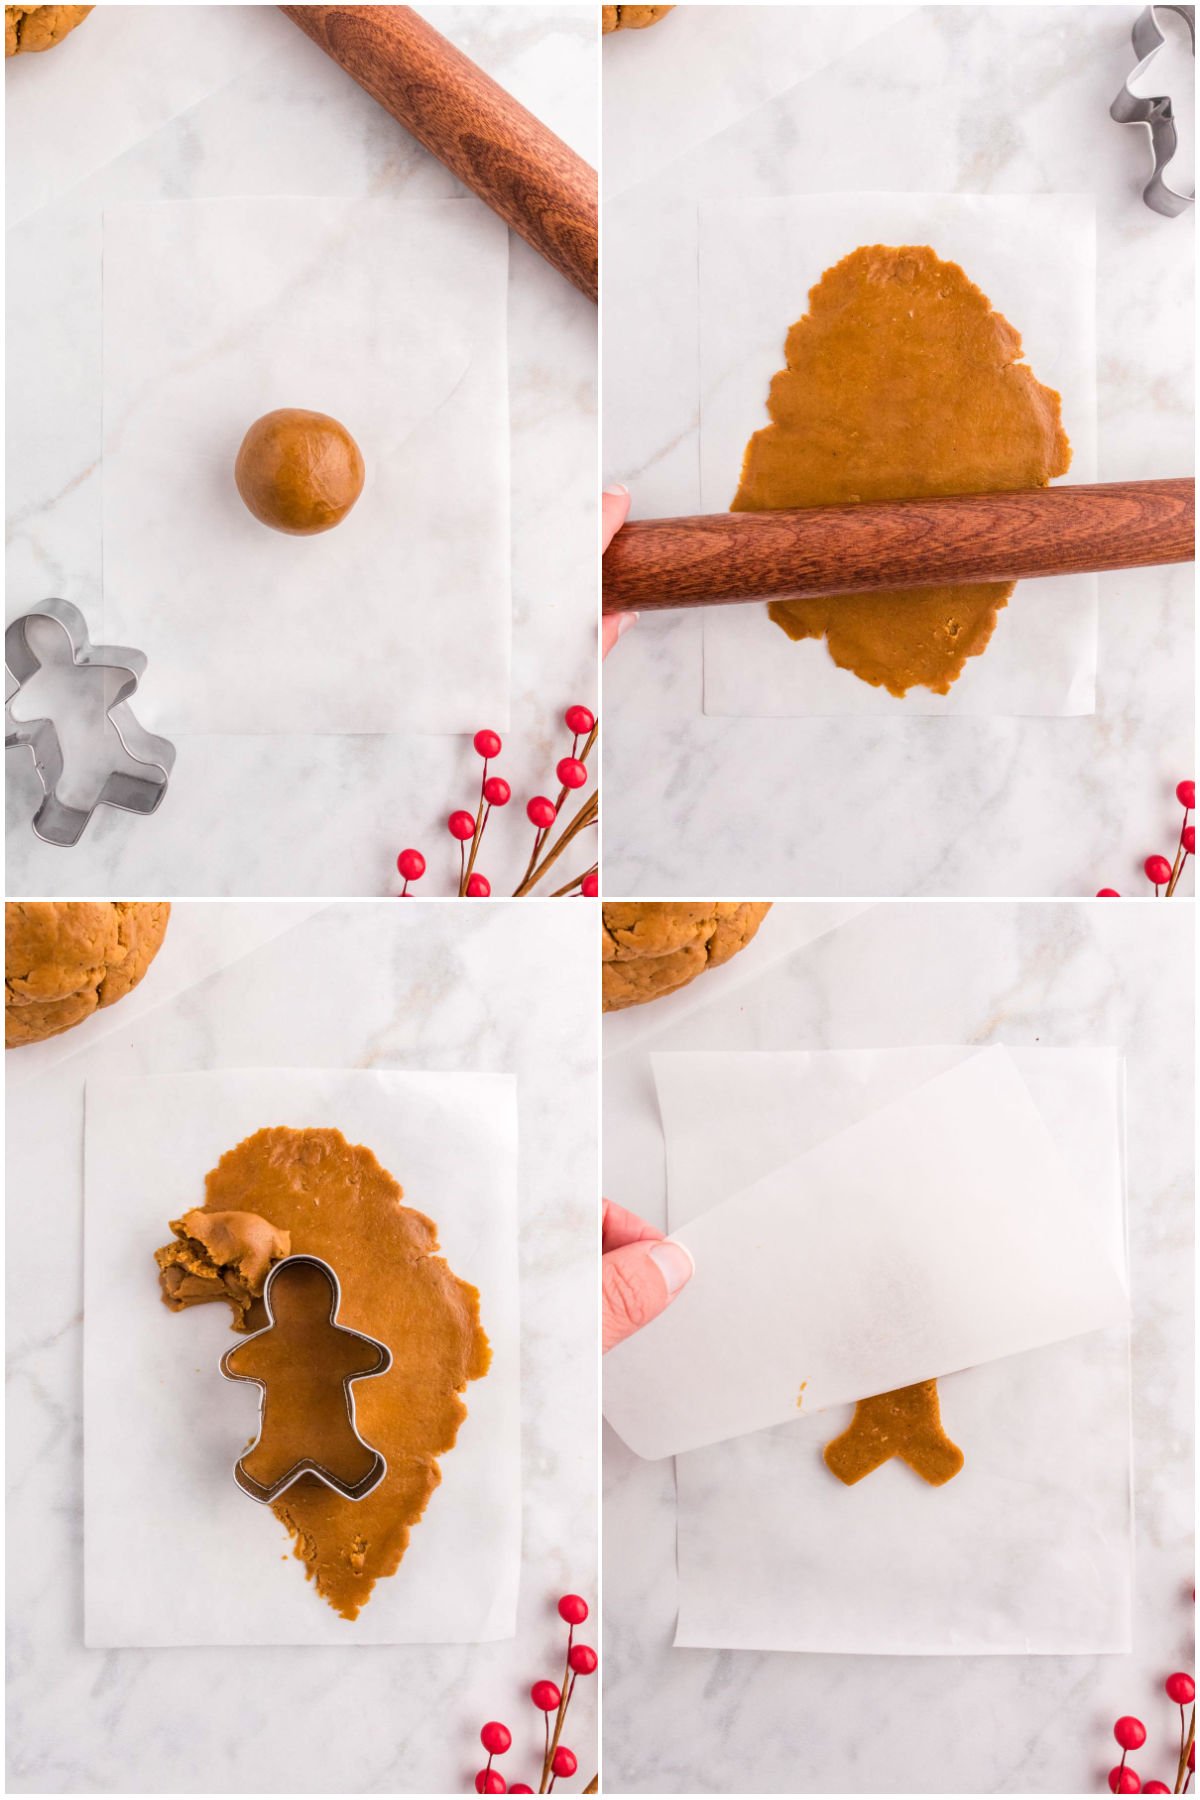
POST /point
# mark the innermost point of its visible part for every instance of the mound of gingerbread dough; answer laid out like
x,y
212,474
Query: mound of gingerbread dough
x,y
65,959
39,27
652,947
632,18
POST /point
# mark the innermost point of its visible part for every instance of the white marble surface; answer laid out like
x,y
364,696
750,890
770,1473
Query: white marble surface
x,y
990,100
355,986
706,1722
306,815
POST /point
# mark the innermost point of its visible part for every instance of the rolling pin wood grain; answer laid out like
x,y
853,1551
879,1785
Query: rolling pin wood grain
x,y
710,560
498,149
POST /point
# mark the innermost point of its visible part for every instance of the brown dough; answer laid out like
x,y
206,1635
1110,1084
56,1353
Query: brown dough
x,y
906,1423
39,27
299,472
652,947
632,18
219,1256
335,1201
304,1362
65,959
901,382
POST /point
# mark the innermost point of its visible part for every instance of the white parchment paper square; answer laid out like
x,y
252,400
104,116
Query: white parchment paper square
x,y
1034,256
1029,1549
389,315
174,1553
886,1254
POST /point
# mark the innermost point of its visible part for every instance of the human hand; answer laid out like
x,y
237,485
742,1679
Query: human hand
x,y
642,1272
614,510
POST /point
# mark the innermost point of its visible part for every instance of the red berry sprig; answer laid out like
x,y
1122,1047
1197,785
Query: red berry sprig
x,y
467,829
1130,1734
558,1762
1160,872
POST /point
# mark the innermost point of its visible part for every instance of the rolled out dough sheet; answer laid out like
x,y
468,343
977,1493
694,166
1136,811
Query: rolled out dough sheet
x,y
1034,256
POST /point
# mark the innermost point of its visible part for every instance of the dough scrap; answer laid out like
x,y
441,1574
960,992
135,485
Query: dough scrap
x,y
334,1200
39,27
65,959
219,1256
906,1423
901,382
649,948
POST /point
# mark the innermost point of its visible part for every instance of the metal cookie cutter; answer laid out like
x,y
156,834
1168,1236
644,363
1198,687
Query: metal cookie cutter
x,y
1137,109
55,822
308,1465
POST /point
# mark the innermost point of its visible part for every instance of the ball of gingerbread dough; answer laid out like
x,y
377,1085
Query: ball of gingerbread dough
x,y
299,471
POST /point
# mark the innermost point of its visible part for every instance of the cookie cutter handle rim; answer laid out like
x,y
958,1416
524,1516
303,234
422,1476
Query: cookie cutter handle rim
x,y
308,1465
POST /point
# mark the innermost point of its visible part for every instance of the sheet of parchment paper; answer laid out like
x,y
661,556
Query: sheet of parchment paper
x,y
887,1254
1034,256
1029,1549
174,1552
389,315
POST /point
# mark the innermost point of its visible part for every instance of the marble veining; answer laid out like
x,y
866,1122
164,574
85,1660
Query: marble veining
x,y
701,1721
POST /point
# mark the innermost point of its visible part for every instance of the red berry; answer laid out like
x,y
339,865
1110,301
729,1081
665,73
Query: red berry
x,y
490,1781
461,826
541,812
1192,1758
518,1787
1158,870
487,743
571,772
583,1659
478,886
564,1762
1156,1787
573,1608
411,864
579,720
496,791
1180,1688
495,1737
1189,839
1185,793
545,1696
1129,1733
1124,1781
590,885
1107,894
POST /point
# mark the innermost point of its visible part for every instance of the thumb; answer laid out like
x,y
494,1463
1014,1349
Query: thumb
x,y
640,1281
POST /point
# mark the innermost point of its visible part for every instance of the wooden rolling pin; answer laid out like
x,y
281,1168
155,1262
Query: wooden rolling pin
x,y
709,560
510,159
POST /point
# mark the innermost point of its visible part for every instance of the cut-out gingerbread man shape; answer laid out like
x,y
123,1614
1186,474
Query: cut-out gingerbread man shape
x,y
906,1423
304,1362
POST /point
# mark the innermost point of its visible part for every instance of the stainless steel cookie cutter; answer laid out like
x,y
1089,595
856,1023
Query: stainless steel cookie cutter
x,y
55,822
309,1465
1155,112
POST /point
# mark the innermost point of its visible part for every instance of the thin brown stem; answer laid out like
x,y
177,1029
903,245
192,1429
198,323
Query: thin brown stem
x,y
572,885
585,817
1184,1774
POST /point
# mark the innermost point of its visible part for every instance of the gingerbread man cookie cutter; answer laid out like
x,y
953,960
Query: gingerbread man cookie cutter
x,y
308,1465
1156,111
130,790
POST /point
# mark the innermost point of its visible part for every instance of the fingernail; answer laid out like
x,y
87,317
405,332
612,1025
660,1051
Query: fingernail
x,y
617,491
674,1263
626,622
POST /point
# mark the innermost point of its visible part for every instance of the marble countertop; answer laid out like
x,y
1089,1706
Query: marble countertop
x,y
259,110
350,986
982,100
700,1721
